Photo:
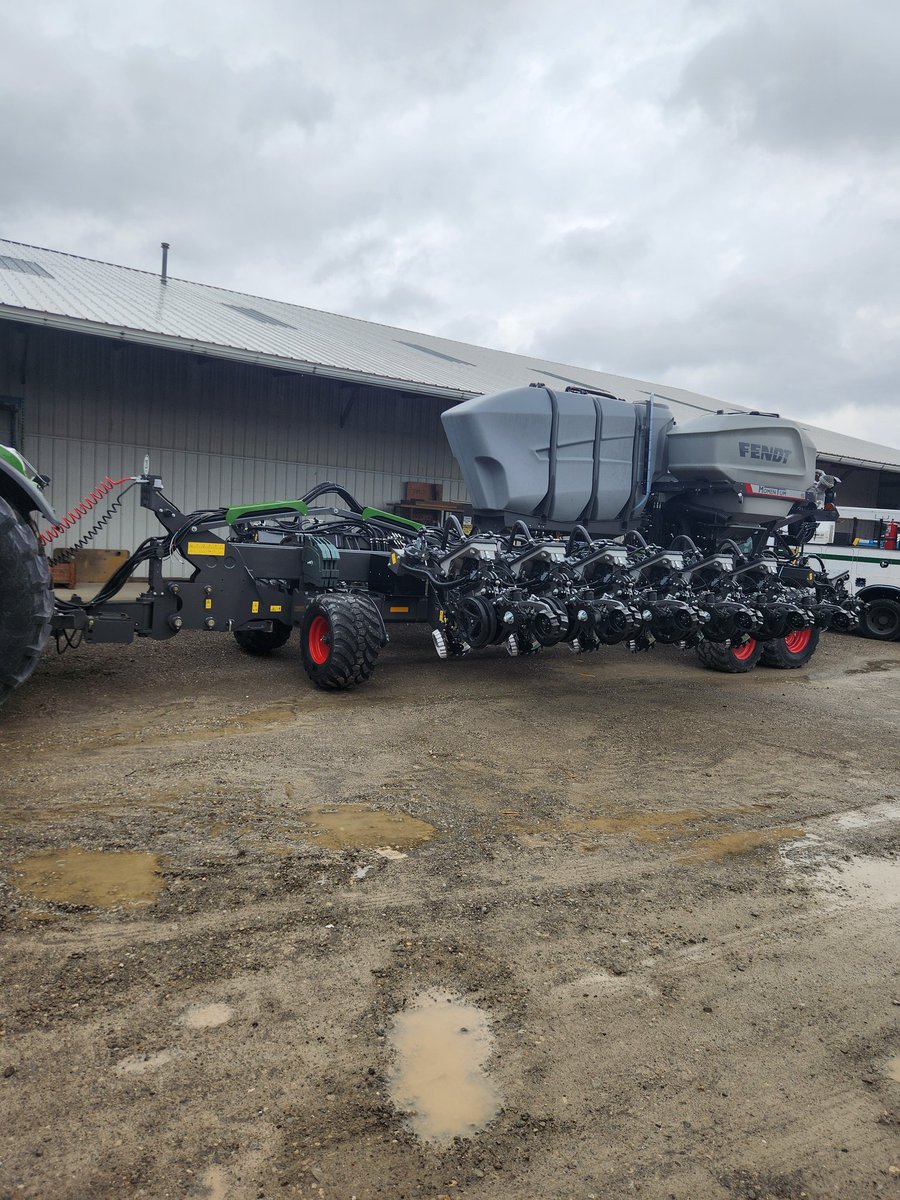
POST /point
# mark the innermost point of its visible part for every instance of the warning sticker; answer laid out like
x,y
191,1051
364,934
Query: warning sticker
x,y
209,549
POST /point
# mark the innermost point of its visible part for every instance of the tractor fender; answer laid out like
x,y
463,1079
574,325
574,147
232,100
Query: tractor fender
x,y
878,591
19,488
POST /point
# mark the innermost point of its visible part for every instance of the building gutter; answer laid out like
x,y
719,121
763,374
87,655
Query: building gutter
x,y
165,341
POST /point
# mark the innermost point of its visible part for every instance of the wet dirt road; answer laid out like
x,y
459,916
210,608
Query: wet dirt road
x,y
565,927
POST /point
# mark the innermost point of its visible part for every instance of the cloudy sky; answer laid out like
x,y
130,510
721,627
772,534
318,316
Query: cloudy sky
x,y
704,193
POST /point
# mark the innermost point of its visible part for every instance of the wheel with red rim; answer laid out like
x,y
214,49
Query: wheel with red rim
x,y
341,636
735,659
318,640
792,651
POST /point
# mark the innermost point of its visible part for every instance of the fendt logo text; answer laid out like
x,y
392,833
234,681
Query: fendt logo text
x,y
779,454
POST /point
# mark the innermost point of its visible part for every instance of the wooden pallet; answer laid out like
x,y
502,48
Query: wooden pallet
x,y
63,575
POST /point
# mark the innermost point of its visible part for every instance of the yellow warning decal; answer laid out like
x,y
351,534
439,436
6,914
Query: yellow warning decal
x,y
274,608
209,604
254,607
400,608
210,549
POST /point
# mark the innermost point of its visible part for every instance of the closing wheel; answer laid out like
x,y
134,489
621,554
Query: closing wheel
x,y
733,660
881,620
26,600
341,637
260,641
792,651
552,625
478,622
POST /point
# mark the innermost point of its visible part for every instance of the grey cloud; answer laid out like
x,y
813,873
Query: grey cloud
x,y
811,76
756,347
603,253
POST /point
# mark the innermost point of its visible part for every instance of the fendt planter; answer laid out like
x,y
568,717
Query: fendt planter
x,y
596,521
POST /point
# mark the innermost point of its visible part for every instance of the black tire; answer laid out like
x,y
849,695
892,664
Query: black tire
x,y
258,641
26,600
341,637
881,620
733,660
790,652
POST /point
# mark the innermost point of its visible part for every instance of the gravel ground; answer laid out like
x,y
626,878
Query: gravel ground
x,y
671,893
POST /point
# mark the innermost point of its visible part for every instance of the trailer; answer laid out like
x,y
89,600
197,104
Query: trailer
x,y
596,522
864,543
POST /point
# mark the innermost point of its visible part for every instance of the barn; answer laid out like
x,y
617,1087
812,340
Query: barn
x,y
236,398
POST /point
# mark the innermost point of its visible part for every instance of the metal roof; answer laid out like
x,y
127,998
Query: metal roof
x,y
63,291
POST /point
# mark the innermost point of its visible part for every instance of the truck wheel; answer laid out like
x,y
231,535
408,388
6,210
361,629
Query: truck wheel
x,y
881,620
26,600
733,660
341,637
259,641
792,651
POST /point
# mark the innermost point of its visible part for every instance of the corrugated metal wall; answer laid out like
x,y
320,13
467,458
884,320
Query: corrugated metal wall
x,y
217,432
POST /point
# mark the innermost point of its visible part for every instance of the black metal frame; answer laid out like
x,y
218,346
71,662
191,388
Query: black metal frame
x,y
237,585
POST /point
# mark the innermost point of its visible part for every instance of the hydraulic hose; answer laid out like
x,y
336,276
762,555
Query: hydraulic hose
x,y
583,536
451,521
683,537
67,553
89,502
443,585
323,489
519,525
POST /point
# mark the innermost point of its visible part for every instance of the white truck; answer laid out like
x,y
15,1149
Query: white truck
x,y
864,542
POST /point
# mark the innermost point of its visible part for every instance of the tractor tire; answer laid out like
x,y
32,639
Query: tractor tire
x,y
26,600
733,660
790,652
881,620
341,637
258,641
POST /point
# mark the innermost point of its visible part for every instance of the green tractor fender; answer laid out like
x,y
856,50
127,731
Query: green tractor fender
x,y
26,593
21,485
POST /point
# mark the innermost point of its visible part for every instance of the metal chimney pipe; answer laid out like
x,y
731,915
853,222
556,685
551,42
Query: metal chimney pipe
x,y
164,278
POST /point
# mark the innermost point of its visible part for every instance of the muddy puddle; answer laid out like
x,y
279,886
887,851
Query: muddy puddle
x,y
442,1046
866,818
874,666
142,1064
97,878
643,826
874,882
715,849
356,826
205,1016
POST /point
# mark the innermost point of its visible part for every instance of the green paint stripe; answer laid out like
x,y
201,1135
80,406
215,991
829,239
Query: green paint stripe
x,y
14,458
261,510
854,558
369,513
